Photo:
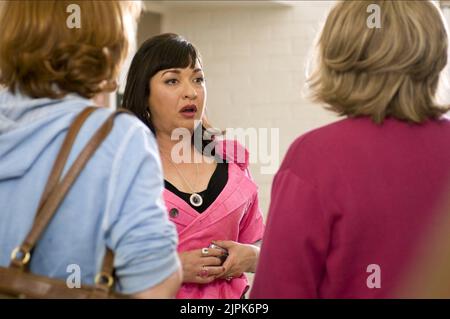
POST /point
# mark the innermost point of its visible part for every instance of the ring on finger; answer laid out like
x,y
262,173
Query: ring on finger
x,y
205,251
203,272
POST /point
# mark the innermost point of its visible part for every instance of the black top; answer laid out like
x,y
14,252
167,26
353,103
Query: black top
x,y
215,186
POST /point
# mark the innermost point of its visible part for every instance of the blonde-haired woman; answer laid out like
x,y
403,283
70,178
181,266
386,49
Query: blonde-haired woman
x,y
51,72
353,201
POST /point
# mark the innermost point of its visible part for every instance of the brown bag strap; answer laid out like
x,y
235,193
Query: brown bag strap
x,y
55,192
53,179
61,159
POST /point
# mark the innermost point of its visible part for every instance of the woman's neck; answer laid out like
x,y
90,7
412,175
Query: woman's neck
x,y
183,148
165,143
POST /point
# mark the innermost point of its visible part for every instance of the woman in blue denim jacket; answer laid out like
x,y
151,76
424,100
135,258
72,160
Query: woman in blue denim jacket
x,y
50,72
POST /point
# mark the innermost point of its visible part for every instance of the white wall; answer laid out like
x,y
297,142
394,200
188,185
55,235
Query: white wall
x,y
254,57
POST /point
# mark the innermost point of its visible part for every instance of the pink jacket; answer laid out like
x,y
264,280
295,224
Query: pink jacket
x,y
234,215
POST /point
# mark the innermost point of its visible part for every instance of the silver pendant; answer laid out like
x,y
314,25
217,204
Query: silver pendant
x,y
196,200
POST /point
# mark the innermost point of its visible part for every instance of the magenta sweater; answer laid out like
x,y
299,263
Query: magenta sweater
x,y
351,195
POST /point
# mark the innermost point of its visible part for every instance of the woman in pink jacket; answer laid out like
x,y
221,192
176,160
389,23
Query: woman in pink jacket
x,y
208,190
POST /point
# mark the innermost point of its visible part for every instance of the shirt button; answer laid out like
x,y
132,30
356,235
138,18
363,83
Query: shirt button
x,y
173,212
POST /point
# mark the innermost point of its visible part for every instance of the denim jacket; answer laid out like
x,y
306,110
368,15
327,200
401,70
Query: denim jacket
x,y
116,201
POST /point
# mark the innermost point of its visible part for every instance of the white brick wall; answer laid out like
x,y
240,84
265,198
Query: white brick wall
x,y
254,59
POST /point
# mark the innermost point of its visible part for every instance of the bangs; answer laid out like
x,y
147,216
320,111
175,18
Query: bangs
x,y
176,55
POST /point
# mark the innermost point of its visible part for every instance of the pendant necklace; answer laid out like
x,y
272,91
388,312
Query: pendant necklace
x,y
195,199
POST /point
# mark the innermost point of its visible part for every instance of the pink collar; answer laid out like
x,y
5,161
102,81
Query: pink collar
x,y
238,190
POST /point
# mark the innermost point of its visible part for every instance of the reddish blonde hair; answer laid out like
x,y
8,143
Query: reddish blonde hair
x,y
40,56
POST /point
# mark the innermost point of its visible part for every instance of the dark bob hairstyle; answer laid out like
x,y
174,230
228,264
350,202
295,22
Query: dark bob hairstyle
x,y
165,51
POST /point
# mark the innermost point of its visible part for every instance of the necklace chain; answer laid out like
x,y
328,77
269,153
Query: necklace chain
x,y
181,175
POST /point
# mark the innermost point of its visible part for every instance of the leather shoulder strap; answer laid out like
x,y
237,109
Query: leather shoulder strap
x,y
61,158
56,190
